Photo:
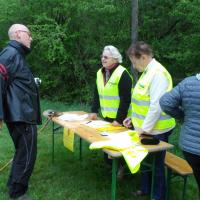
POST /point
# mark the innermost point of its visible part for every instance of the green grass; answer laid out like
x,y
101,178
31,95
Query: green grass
x,y
71,179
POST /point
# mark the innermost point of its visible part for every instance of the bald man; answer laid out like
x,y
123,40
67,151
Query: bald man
x,y
19,108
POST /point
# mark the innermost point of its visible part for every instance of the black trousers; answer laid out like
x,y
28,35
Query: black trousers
x,y
194,161
160,185
24,137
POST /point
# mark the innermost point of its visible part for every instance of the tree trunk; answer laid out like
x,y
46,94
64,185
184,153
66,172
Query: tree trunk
x,y
134,31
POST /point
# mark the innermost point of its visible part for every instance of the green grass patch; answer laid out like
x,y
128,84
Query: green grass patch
x,y
71,179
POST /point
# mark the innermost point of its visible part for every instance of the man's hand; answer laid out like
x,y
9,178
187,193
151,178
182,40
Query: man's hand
x,y
92,116
127,122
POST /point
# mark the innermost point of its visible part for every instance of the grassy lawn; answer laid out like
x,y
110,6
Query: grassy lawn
x,y
71,179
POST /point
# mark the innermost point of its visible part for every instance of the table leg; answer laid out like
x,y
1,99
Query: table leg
x,y
80,150
114,170
184,186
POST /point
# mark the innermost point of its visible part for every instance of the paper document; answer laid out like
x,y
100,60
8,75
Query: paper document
x,y
68,139
101,125
73,117
97,123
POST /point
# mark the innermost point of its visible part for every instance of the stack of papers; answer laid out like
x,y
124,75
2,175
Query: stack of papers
x,y
73,117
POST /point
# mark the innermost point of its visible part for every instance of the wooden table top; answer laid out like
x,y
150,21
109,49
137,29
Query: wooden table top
x,y
92,135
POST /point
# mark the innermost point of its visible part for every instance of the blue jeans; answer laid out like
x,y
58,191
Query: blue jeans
x,y
159,184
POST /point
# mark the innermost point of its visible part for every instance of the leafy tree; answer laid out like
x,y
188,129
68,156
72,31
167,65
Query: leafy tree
x,y
172,28
69,37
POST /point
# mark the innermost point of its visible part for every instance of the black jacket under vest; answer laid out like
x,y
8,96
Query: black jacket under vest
x,y
19,97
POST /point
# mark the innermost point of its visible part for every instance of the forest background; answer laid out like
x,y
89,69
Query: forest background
x,y
68,39
69,35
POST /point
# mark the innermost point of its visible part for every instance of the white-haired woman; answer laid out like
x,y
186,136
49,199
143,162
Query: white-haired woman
x,y
113,88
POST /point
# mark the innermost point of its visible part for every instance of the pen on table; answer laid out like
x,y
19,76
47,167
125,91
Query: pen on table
x,y
88,122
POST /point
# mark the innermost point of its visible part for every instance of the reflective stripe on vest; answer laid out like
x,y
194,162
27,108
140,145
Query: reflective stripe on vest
x,y
109,93
109,109
109,97
142,117
141,100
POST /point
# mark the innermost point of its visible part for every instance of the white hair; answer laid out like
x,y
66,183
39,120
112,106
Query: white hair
x,y
114,51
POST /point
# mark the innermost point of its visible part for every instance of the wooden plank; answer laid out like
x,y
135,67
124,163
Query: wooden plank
x,y
177,164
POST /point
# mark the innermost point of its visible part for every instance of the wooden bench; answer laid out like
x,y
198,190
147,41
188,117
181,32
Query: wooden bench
x,y
176,166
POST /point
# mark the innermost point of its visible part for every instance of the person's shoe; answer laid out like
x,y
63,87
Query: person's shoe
x,y
139,193
23,197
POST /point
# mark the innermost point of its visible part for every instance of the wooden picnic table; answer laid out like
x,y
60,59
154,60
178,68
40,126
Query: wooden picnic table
x,y
91,135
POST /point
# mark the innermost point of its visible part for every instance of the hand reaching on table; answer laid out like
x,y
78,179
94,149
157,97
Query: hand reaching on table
x,y
92,116
142,133
127,122
115,123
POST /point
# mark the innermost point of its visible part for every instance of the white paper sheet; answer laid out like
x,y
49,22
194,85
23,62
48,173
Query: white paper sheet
x,y
97,123
73,117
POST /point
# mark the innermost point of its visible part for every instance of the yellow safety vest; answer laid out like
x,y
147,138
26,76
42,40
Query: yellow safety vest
x,y
141,100
109,93
128,144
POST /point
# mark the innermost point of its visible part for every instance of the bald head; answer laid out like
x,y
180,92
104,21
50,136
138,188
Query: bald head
x,y
14,28
20,33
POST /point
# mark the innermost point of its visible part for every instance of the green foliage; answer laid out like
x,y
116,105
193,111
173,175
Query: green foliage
x,y
69,37
172,27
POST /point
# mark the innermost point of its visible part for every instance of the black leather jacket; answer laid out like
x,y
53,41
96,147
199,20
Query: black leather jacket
x,y
19,97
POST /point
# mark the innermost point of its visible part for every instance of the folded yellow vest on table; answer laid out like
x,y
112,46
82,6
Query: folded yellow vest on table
x,y
128,144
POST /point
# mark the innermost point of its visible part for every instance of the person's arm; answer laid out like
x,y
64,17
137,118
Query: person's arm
x,y
125,86
2,88
171,102
158,87
1,99
3,77
7,69
95,104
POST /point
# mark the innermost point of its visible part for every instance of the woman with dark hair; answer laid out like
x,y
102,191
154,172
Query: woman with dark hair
x,y
147,116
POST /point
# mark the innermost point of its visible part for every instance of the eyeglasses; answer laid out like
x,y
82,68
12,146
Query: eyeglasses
x,y
105,57
29,34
